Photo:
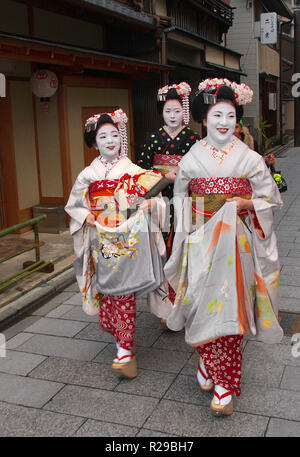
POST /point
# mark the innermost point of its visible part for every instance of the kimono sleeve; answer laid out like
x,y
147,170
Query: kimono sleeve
x,y
265,197
181,200
78,205
147,154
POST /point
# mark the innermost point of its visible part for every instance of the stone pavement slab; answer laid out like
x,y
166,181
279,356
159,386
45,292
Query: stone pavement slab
x,y
145,433
269,355
103,405
283,428
62,347
17,340
150,358
93,333
19,362
148,383
289,304
74,313
52,303
76,372
266,401
28,422
74,300
25,391
175,339
56,327
60,311
102,429
290,270
186,389
183,419
291,378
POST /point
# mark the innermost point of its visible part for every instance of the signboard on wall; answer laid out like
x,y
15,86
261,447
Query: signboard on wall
x,y
268,28
2,85
272,102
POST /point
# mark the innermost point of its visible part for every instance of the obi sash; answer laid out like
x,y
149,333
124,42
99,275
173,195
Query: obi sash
x,y
215,192
166,162
103,204
110,198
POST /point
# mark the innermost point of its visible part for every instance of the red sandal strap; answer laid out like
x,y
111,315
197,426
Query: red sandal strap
x,y
202,372
124,356
220,397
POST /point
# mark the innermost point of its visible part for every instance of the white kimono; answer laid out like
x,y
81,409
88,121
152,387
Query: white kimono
x,y
226,271
107,256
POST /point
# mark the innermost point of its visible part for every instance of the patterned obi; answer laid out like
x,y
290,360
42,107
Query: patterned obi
x,y
103,204
165,163
215,192
110,198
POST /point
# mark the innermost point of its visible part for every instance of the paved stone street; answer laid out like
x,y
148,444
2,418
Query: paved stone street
x,y
56,378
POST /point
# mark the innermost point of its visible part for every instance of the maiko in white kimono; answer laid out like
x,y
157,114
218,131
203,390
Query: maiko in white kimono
x,y
118,255
102,265
224,264
226,271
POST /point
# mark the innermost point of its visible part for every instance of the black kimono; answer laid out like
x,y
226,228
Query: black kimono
x,y
160,144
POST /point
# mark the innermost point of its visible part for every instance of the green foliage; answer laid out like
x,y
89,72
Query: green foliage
x,y
264,141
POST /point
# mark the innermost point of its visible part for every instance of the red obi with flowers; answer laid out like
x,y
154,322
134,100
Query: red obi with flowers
x,y
214,192
166,163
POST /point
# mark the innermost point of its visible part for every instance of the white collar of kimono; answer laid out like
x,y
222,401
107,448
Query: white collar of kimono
x,y
115,172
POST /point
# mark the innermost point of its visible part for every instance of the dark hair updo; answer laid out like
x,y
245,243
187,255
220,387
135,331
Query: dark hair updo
x,y
224,94
172,94
90,136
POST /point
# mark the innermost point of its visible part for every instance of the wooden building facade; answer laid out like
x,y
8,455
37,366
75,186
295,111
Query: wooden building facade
x,y
105,54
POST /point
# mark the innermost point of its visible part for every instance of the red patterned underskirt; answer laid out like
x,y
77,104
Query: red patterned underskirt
x,y
165,159
220,186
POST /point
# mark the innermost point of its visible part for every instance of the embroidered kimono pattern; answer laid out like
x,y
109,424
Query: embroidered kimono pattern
x,y
111,247
225,270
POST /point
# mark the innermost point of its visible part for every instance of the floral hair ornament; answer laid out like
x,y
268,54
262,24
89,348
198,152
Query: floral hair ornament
x,y
120,119
243,93
183,89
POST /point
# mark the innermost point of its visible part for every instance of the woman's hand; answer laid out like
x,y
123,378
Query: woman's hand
x,y
241,203
269,159
146,205
171,175
90,220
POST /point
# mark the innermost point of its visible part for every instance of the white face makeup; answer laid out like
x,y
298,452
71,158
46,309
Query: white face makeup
x,y
108,141
173,114
220,123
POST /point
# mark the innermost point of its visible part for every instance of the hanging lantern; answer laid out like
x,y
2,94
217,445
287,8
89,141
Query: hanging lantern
x,y
44,84
2,85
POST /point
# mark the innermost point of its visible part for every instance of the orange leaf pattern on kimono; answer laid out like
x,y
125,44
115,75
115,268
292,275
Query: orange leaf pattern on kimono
x,y
220,228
